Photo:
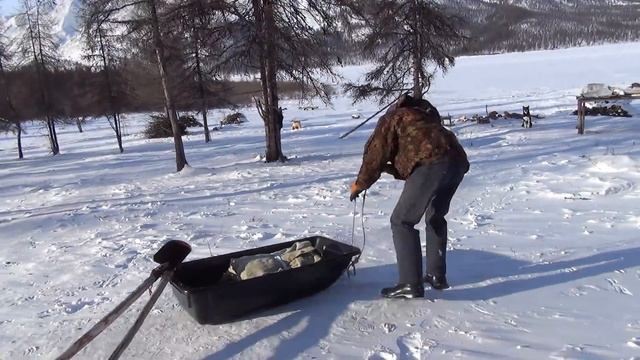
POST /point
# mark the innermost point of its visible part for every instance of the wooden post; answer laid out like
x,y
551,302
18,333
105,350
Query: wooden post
x,y
581,116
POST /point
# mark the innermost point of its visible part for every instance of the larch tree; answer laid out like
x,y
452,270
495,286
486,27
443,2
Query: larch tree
x,y
282,40
39,48
202,25
144,24
101,41
408,40
9,117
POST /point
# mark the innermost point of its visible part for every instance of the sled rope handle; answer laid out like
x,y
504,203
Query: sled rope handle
x,y
354,261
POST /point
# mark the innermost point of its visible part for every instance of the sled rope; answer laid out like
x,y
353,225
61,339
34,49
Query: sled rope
x,y
353,263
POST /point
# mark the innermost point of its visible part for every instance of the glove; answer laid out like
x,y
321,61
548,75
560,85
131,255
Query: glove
x,y
355,191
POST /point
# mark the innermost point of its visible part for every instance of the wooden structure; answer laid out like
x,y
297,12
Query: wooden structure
x,y
446,120
582,109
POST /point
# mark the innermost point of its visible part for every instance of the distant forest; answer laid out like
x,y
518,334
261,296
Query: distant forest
x,y
500,28
509,28
490,28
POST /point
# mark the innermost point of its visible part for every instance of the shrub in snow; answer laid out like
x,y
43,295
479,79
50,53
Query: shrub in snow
x,y
160,126
235,118
189,121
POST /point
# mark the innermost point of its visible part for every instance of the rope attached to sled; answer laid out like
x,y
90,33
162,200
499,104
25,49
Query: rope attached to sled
x,y
354,261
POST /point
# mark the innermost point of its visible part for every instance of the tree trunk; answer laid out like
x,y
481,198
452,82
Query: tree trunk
x,y
118,130
20,155
417,86
13,114
272,110
107,75
181,159
207,134
258,14
55,136
416,59
51,125
203,99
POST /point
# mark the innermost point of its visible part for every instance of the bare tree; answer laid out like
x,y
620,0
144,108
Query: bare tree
x,y
159,47
202,25
38,44
282,40
9,121
408,40
143,23
100,40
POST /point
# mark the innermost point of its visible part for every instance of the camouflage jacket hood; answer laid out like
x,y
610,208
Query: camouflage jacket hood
x,y
404,138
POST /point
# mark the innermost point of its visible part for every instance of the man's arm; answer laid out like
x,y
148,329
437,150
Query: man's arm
x,y
377,153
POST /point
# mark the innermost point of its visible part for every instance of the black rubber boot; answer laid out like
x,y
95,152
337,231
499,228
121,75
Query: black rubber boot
x,y
408,291
437,282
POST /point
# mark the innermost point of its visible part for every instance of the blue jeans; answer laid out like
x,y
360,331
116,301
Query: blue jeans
x,y
428,191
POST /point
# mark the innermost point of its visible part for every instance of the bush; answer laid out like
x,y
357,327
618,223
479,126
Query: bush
x,y
160,126
189,121
235,118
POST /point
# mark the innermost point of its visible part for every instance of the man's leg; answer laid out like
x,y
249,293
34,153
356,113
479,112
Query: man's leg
x,y
419,189
436,224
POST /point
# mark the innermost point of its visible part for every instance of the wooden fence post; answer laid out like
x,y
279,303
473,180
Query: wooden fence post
x,y
581,116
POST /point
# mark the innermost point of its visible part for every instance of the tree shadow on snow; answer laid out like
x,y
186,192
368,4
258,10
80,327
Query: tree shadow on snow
x,y
316,314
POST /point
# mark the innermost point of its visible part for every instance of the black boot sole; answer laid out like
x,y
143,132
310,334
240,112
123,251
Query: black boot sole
x,y
403,296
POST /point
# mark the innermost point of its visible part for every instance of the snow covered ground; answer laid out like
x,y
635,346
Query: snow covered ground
x,y
544,231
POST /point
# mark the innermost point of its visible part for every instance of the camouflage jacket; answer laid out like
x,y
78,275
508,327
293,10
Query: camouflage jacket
x,y
404,138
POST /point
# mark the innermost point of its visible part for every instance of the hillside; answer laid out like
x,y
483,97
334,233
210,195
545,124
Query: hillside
x,y
519,25
494,25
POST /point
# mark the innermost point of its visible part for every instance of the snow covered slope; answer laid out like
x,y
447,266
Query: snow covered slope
x,y
65,27
544,253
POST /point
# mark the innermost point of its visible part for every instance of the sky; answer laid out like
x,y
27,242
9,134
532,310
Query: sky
x,y
8,7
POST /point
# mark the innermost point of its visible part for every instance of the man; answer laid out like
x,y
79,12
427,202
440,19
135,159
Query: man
x,y
410,143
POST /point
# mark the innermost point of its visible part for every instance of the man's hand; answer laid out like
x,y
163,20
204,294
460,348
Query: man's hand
x,y
355,191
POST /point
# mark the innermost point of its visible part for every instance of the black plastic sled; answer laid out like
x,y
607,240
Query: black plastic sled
x,y
198,287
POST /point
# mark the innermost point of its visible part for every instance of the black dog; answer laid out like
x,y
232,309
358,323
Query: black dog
x,y
526,117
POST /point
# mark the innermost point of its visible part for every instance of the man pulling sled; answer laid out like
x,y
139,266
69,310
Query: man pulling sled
x,y
410,143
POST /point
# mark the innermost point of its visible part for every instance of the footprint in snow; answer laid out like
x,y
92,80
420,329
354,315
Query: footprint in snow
x,y
383,354
634,342
410,346
619,288
389,327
